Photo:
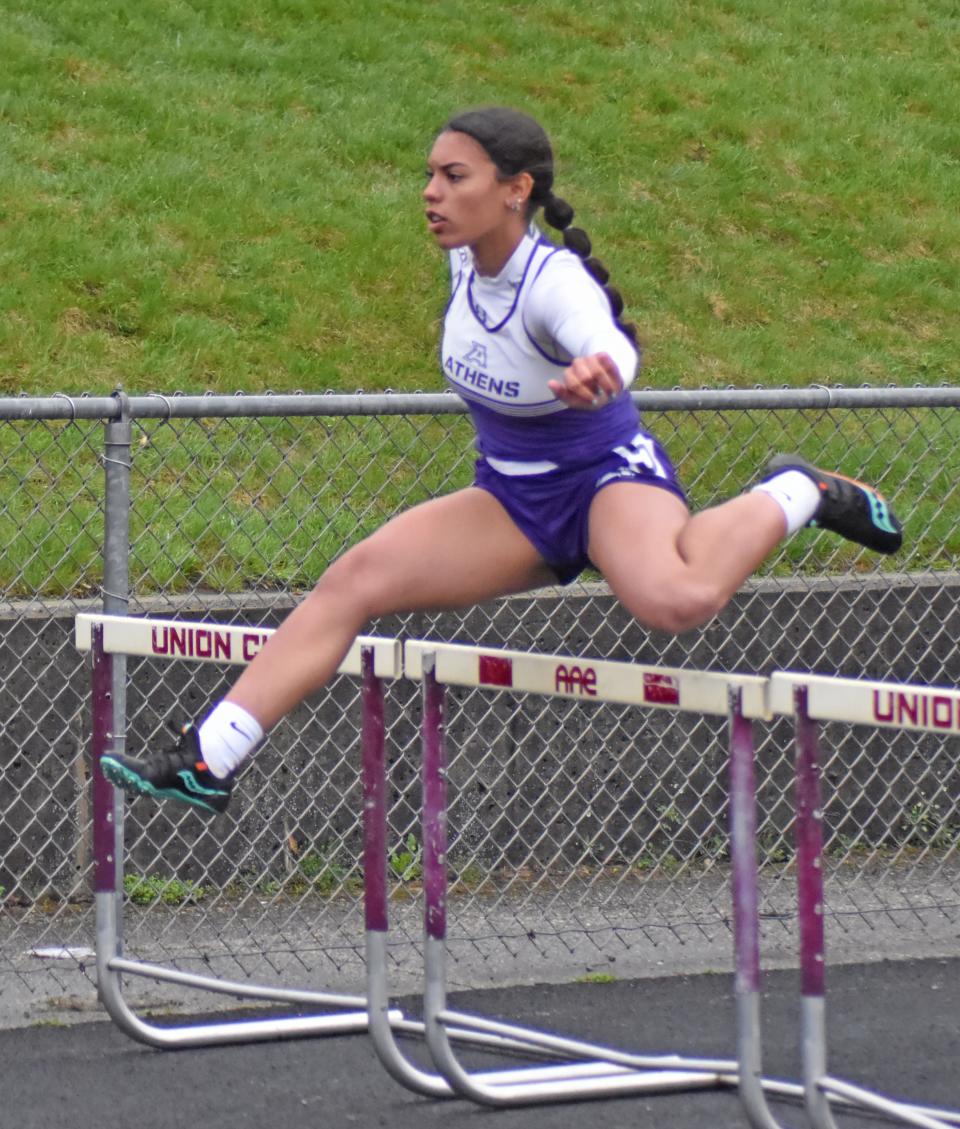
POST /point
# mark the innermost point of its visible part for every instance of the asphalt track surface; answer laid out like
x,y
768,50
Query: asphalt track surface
x,y
893,1026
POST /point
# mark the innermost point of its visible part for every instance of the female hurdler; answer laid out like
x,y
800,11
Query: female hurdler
x,y
566,478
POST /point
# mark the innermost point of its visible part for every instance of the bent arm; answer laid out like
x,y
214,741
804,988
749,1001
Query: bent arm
x,y
567,306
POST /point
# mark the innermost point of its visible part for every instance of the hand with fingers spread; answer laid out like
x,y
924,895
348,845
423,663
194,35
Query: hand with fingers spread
x,y
589,382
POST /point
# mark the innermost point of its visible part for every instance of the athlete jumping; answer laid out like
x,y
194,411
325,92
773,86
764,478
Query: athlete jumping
x,y
566,477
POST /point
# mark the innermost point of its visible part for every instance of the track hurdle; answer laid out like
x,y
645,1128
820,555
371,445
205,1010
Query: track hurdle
x,y
383,1028
105,636
584,1070
812,699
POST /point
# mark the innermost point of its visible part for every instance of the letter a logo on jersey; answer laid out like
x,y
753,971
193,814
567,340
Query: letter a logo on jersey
x,y
477,355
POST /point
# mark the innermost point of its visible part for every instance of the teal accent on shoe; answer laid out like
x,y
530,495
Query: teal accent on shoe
x,y
194,801
194,785
119,775
879,514
122,777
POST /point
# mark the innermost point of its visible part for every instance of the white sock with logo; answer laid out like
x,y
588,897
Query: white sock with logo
x,y
795,493
227,737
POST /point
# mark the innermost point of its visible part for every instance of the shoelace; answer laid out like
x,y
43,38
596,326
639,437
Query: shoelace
x,y
175,756
840,490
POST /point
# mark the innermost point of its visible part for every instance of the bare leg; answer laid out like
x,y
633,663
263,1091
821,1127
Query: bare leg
x,y
672,571
450,552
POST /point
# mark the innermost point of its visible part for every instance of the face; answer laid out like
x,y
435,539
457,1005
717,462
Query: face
x,y
466,205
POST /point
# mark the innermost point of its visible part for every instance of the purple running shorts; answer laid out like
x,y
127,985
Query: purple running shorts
x,y
552,509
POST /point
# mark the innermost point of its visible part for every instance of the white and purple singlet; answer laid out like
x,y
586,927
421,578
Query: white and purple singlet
x,y
504,338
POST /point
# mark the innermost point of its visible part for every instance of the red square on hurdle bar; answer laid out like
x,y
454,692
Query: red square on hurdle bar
x,y
495,670
661,689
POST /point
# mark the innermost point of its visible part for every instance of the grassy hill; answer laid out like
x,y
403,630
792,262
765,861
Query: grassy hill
x,y
225,195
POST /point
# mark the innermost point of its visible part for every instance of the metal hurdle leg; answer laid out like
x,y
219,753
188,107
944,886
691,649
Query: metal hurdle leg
x,y
572,1081
746,915
111,965
375,894
819,1087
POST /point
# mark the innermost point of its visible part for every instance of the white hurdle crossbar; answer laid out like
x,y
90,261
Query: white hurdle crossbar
x,y
105,636
222,644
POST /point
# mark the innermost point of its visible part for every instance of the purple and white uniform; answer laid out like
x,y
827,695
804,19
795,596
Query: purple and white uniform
x,y
503,339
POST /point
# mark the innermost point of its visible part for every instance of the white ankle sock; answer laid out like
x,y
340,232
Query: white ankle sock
x,y
795,493
227,737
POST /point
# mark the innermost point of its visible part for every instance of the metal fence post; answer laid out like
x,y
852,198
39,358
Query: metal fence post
x,y
118,434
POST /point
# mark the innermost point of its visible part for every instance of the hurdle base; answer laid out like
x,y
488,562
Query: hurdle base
x,y
351,1020
853,1097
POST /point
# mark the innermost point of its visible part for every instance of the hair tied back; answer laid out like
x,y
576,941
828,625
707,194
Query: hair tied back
x,y
598,271
557,212
575,239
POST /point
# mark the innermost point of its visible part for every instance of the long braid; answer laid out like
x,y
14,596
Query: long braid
x,y
559,214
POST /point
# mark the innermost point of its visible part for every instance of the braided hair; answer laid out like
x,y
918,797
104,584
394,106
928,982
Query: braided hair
x,y
517,143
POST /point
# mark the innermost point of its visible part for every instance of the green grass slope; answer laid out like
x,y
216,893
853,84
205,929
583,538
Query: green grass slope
x,y
225,195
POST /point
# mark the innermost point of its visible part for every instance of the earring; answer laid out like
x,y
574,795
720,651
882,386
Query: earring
x,y
515,206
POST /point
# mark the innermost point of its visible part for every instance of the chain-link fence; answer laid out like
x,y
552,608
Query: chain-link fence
x,y
579,833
